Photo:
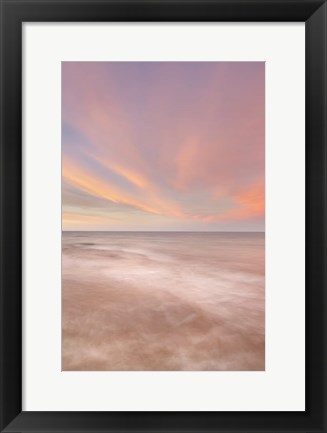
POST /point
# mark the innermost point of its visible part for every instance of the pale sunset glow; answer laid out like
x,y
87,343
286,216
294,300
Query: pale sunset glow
x,y
163,146
163,211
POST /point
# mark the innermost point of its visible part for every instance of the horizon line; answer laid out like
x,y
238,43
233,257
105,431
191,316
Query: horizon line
x,y
168,231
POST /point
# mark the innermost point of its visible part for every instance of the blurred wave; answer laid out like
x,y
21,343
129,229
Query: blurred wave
x,y
163,301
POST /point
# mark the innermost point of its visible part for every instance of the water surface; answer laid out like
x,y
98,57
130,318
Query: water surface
x,y
163,301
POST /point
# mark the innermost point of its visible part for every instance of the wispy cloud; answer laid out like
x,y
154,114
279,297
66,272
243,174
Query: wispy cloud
x,y
183,142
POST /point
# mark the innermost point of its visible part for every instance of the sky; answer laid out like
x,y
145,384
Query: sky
x,y
163,146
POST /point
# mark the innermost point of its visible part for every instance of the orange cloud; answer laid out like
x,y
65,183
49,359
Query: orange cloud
x,y
132,176
150,193
252,200
76,218
250,203
97,187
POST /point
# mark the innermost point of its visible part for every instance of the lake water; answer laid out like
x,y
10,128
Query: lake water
x,y
163,301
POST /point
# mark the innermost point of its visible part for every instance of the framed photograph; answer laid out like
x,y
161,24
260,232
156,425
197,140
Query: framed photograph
x,y
163,234
163,218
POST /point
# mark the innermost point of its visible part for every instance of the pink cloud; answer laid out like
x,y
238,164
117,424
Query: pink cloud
x,y
168,134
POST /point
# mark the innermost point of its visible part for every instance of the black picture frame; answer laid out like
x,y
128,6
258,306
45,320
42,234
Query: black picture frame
x,y
13,14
